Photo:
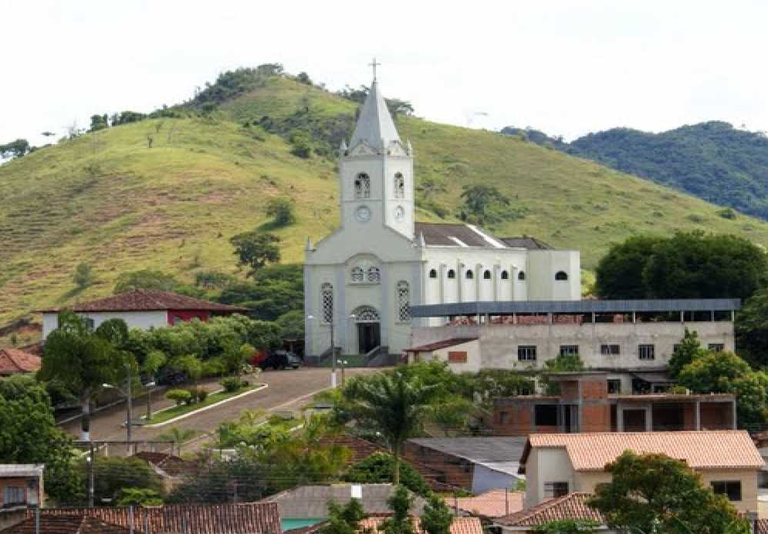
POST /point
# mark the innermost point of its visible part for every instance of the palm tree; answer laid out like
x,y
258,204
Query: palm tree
x,y
391,404
178,436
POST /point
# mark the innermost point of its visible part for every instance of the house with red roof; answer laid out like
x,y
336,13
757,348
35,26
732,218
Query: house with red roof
x,y
569,507
142,308
558,464
16,361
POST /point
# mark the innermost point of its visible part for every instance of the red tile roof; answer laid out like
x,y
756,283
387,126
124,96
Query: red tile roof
x,y
705,449
74,524
13,361
250,518
572,506
761,526
148,300
493,503
441,344
168,463
460,525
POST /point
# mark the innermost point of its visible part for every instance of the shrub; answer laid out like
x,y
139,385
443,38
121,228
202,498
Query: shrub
x,y
179,396
202,394
232,384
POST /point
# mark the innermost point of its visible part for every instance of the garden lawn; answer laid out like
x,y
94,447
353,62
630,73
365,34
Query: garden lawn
x,y
169,413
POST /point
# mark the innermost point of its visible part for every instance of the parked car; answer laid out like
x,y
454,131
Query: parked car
x,y
281,359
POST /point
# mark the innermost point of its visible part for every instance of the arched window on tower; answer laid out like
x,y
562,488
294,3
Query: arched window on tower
x,y
403,301
521,276
486,274
561,275
362,186
399,186
433,273
504,275
326,300
357,274
374,275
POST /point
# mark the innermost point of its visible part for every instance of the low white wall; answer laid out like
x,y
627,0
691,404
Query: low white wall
x,y
143,320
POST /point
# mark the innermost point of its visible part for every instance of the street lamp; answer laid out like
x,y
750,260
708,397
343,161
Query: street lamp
x,y
129,397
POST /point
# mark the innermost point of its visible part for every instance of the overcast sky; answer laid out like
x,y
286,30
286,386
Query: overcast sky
x,y
565,67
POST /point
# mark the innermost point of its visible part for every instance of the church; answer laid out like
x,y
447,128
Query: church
x,y
361,281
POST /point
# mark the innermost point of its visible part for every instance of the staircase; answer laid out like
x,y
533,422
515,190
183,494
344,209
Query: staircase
x,y
380,357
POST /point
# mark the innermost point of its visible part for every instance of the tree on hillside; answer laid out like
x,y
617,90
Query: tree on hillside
x,y
83,360
29,435
390,404
724,372
282,211
99,122
146,279
15,149
655,493
84,276
430,187
619,274
484,204
256,249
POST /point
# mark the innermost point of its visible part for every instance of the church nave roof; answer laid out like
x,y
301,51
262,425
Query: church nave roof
x,y
468,235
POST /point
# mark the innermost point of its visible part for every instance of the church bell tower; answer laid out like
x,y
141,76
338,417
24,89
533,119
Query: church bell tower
x,y
376,171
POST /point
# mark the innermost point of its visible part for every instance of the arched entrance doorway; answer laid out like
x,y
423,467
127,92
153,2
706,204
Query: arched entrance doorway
x,y
368,328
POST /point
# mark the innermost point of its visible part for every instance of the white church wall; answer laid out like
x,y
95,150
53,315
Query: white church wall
x,y
399,212
544,265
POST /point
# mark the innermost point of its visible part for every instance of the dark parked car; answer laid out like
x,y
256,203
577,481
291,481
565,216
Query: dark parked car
x,y
281,359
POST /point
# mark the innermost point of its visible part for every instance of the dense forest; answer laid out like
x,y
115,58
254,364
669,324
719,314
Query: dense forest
x,y
712,160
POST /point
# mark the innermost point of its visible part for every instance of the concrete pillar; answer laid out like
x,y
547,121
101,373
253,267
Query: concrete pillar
x,y
649,418
619,417
733,414
697,416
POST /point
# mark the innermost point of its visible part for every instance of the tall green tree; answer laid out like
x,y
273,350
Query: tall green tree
x,y
256,249
84,275
400,504
84,360
687,351
656,493
752,328
391,404
484,204
344,519
619,274
437,517
282,211
15,149
29,435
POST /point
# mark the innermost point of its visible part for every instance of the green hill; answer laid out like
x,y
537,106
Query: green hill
x,y
110,200
712,160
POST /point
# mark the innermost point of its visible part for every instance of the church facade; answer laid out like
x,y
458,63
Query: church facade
x,y
361,281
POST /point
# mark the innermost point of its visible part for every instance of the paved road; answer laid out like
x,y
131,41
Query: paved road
x,y
288,389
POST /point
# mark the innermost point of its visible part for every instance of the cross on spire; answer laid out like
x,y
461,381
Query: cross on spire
x,y
374,65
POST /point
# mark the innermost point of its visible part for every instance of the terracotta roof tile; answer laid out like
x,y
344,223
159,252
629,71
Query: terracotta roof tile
x,y
572,506
460,525
761,526
147,300
168,463
13,361
493,503
441,344
250,518
74,524
706,449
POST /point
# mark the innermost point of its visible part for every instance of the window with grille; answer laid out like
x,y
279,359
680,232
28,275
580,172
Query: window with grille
x,y
646,352
326,295
526,353
610,350
399,186
374,275
363,186
504,275
433,273
366,314
555,489
569,350
403,301
14,495
521,275
357,274
729,488
716,347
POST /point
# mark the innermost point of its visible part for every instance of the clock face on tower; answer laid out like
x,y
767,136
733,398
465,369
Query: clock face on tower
x,y
399,213
363,214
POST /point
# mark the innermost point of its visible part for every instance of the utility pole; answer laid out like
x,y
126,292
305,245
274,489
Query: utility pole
x,y
333,355
91,481
128,427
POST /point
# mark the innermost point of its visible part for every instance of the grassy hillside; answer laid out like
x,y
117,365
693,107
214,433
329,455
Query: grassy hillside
x,y
111,201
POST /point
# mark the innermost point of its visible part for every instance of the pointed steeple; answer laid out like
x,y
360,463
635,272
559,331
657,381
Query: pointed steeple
x,y
375,126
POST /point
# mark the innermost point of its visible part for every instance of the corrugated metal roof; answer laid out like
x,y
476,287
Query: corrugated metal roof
x,y
574,306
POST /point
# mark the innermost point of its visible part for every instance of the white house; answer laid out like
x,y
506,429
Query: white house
x,y
361,281
142,309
